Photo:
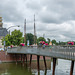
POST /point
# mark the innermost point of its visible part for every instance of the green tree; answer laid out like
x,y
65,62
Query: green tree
x,y
16,37
7,40
40,39
22,39
30,37
48,40
53,41
62,43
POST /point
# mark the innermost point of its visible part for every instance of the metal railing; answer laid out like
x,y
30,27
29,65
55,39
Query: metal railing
x,y
66,52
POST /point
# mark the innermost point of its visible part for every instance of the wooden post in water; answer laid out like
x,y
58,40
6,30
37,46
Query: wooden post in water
x,y
30,59
45,72
72,67
54,65
38,62
21,58
16,58
45,62
26,58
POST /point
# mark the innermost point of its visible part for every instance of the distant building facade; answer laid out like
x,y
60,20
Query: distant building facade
x,y
3,32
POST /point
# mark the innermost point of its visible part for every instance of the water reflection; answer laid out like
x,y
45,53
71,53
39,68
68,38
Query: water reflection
x,y
13,69
62,68
42,68
20,69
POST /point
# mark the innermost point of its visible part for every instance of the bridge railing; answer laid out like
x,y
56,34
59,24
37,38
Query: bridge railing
x,y
67,52
53,51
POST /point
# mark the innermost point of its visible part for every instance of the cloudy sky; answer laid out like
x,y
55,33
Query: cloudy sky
x,y
55,19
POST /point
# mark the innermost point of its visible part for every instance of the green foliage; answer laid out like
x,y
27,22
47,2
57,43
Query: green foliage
x,y
16,36
40,39
62,43
14,39
7,40
48,40
53,41
30,37
22,39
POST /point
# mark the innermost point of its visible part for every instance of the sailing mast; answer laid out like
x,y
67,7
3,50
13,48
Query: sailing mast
x,y
25,31
34,31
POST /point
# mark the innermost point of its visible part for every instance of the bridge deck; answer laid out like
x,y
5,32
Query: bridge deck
x,y
56,51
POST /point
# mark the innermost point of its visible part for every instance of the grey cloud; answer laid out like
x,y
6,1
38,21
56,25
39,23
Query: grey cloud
x,y
64,10
10,12
33,5
50,16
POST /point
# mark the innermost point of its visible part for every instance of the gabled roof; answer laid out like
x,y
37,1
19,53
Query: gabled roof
x,y
3,32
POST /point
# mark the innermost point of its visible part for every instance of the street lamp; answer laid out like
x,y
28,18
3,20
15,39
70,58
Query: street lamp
x,y
13,26
7,29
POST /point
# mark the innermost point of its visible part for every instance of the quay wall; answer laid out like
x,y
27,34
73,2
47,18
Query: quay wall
x,y
5,57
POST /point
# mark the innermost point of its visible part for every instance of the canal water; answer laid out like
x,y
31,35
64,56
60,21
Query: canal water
x,y
62,68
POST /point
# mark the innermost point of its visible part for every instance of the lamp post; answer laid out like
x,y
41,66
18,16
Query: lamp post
x,y
7,29
13,26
